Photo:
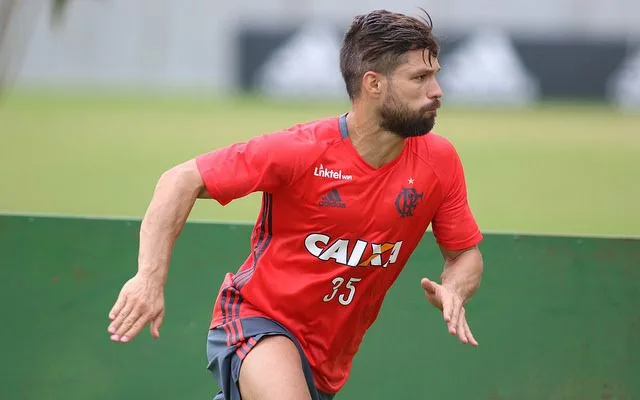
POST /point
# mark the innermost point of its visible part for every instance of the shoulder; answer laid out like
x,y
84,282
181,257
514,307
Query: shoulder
x,y
292,151
303,139
441,156
437,151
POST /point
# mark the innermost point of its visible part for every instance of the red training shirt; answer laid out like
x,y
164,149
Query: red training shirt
x,y
333,232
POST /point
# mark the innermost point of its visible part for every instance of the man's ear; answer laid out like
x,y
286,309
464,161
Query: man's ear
x,y
373,84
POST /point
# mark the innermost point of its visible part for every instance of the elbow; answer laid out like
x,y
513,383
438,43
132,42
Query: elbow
x,y
181,181
183,178
471,255
478,263
175,172
479,267
479,259
469,260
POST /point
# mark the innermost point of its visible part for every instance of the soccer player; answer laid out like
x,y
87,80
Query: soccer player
x,y
346,200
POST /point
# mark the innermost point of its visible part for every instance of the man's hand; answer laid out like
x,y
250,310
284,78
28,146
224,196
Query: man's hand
x,y
141,301
452,307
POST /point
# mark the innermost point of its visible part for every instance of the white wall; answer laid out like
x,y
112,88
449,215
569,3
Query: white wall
x,y
165,43
145,43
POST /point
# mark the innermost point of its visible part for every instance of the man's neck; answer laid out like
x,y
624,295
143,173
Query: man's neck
x,y
375,145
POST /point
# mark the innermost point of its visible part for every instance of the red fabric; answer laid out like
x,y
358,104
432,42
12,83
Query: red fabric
x,y
333,232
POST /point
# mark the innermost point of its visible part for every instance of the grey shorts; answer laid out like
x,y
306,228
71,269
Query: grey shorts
x,y
224,358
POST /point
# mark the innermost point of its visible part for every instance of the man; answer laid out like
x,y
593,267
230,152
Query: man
x,y
346,200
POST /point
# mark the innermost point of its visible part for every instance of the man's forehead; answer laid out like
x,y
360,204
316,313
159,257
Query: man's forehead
x,y
423,59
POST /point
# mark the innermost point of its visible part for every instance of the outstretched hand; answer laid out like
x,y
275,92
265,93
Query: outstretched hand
x,y
452,307
140,302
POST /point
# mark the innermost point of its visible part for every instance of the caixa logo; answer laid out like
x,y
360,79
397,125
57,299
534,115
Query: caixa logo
x,y
358,254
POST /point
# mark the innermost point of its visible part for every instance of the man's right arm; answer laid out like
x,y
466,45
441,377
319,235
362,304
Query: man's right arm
x,y
264,163
175,194
141,300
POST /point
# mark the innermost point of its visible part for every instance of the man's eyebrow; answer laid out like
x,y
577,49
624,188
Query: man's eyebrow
x,y
425,70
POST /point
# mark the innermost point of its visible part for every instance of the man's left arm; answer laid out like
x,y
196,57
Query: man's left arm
x,y
458,236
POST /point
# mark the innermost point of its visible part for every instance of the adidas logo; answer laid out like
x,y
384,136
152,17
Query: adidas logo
x,y
332,199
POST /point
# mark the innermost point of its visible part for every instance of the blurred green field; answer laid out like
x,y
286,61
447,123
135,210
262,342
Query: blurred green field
x,y
557,168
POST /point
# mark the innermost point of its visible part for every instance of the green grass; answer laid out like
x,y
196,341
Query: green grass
x,y
556,168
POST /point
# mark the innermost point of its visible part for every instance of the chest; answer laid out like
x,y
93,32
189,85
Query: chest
x,y
397,200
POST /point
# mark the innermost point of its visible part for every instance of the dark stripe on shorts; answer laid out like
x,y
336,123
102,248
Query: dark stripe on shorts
x,y
246,347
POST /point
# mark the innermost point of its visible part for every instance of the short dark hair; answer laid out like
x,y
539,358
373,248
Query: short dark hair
x,y
377,41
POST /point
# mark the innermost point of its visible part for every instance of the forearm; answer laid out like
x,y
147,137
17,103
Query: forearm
x,y
463,273
171,203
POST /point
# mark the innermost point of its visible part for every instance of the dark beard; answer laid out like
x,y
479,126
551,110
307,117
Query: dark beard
x,y
404,122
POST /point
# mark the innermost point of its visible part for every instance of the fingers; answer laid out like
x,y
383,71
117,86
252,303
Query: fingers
x,y
464,332
447,312
128,323
448,304
469,335
115,310
428,285
457,313
156,324
434,294
133,326
140,301
453,310
461,331
125,326
137,319
132,319
118,319
430,293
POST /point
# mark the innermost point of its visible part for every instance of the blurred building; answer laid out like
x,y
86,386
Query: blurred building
x,y
507,52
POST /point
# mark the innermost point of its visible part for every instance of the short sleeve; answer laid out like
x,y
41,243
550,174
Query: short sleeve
x,y
261,164
454,225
